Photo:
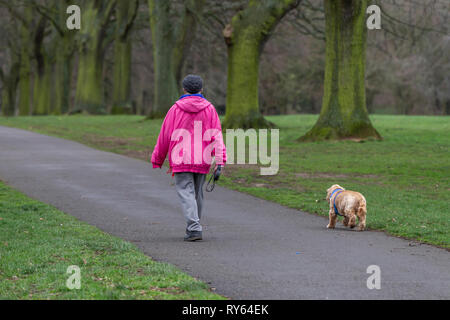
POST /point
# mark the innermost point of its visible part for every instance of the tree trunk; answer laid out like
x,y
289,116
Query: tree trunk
x,y
24,98
171,42
63,61
63,75
89,93
122,77
10,82
8,101
344,114
41,91
125,15
245,38
242,104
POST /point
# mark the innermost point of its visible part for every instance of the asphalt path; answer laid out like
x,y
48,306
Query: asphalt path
x,y
252,248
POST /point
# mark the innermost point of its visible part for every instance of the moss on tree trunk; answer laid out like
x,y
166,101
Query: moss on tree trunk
x,y
41,91
122,76
10,82
344,114
126,11
8,101
242,104
94,38
89,93
63,61
24,99
171,40
165,84
63,76
24,85
245,37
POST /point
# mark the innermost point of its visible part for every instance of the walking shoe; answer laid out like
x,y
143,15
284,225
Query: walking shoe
x,y
193,236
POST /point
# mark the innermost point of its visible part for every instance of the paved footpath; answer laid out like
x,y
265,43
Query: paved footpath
x,y
253,249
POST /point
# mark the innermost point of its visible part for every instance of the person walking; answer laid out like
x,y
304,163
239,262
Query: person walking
x,y
191,135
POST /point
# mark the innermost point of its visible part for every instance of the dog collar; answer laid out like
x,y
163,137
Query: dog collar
x,y
334,201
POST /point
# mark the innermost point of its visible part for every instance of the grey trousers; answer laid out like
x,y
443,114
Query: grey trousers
x,y
189,186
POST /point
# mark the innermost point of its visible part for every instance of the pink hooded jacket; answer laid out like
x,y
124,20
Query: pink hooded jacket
x,y
190,135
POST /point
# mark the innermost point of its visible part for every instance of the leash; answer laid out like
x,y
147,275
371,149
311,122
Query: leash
x,y
334,201
215,176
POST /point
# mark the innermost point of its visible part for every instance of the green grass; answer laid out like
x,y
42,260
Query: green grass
x,y
38,243
405,177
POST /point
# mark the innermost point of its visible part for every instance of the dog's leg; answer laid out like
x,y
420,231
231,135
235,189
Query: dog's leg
x,y
362,222
352,221
345,221
361,218
351,216
333,218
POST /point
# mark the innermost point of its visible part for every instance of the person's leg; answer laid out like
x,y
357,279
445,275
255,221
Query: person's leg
x,y
185,186
199,181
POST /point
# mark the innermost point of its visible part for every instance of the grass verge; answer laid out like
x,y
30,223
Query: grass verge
x,y
38,243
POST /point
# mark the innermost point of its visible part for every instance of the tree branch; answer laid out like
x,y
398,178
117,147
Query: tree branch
x,y
46,13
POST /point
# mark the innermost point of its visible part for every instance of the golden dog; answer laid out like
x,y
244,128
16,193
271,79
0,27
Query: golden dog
x,y
349,204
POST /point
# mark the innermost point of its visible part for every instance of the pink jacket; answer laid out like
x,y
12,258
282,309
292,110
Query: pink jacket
x,y
191,135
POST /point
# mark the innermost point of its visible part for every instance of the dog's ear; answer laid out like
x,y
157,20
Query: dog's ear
x,y
334,186
329,191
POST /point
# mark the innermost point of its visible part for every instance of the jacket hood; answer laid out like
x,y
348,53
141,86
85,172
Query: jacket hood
x,y
192,103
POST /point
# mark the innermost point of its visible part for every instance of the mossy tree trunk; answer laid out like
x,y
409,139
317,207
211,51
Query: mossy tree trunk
x,y
19,36
245,36
93,38
63,75
41,91
126,11
24,94
9,87
63,59
53,58
344,114
172,38
89,93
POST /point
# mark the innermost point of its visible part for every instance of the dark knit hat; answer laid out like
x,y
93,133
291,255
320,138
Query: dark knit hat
x,y
193,84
